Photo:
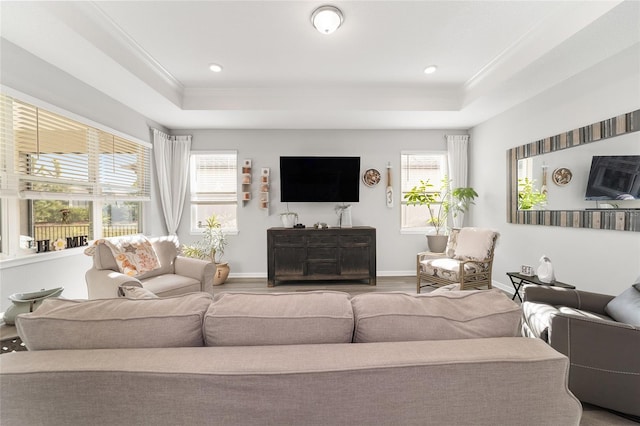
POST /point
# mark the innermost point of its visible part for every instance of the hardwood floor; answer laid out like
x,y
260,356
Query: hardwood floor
x,y
259,285
592,415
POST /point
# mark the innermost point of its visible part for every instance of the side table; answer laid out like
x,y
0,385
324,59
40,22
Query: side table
x,y
518,280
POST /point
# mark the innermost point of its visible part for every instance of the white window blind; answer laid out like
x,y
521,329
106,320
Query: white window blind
x,y
46,155
214,189
214,178
417,167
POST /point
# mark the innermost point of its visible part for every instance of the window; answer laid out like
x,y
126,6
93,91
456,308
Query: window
x,y
414,167
214,189
65,178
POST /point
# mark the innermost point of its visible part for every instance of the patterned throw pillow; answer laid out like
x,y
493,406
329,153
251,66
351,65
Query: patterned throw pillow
x,y
135,256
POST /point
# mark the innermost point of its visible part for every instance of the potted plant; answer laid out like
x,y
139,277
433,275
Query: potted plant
x,y
439,204
211,247
528,196
461,199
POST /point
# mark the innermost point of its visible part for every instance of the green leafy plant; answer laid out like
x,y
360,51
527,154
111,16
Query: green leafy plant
x,y
528,196
211,246
461,199
440,202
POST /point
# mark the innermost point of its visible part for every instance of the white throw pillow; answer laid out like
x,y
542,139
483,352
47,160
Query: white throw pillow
x,y
474,244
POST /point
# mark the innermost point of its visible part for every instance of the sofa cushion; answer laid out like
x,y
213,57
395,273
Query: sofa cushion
x,y
538,317
250,319
625,307
171,285
392,317
115,323
450,268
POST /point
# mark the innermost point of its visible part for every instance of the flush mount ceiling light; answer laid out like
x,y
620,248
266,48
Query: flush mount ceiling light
x,y
430,69
327,19
215,67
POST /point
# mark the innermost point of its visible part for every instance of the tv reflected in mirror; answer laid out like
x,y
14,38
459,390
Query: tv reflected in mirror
x,y
614,177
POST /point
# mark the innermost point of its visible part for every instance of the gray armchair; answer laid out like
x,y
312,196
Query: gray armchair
x,y
176,274
603,353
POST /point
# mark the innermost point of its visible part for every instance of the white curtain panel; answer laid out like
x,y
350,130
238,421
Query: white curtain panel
x,y
457,159
172,168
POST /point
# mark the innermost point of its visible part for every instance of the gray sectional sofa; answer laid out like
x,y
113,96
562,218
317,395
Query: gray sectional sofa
x,y
305,358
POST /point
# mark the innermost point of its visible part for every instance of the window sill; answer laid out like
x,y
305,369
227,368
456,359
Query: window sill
x,y
26,259
416,231
225,231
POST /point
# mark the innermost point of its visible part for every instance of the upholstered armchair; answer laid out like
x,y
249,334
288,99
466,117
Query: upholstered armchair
x,y
170,275
603,352
467,261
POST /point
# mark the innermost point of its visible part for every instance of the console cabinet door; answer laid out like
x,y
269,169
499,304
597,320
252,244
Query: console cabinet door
x,y
355,252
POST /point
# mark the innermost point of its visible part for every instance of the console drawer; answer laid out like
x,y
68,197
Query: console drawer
x,y
322,253
322,268
322,240
289,240
354,240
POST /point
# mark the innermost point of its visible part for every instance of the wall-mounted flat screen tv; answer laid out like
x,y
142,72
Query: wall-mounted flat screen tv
x,y
319,179
614,177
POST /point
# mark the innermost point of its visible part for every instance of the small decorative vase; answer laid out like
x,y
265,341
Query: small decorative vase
x,y
222,273
545,270
289,219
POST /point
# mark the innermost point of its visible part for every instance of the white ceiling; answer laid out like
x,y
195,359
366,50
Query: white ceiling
x,y
280,73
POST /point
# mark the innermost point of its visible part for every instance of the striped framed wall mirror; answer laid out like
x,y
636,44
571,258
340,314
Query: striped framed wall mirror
x,y
567,206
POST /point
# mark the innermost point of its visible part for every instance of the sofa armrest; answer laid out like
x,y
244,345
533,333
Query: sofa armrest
x,y
198,269
557,296
605,366
104,283
428,255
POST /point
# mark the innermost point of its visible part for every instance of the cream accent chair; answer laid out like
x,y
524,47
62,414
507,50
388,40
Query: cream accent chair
x,y
467,261
176,274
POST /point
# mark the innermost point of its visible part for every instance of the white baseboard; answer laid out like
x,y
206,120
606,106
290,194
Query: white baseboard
x,y
411,273
503,287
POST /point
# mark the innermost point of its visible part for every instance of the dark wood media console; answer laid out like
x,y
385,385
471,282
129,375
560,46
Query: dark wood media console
x,y
311,254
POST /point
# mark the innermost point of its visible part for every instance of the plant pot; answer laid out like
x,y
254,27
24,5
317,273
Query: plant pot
x,y
222,273
23,303
437,243
289,219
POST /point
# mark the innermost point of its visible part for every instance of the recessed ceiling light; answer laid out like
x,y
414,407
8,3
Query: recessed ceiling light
x,y
430,69
327,19
215,67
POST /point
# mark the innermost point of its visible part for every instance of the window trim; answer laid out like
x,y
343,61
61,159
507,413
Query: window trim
x,y
427,229
228,230
10,252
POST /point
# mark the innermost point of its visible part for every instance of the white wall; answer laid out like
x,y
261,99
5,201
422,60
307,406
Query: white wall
x,y
247,251
592,260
